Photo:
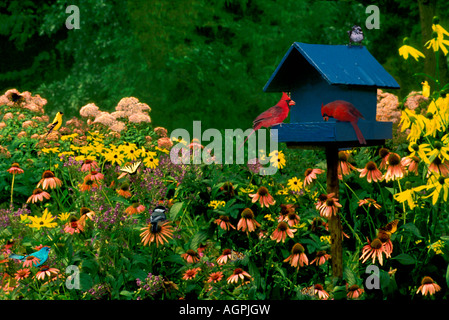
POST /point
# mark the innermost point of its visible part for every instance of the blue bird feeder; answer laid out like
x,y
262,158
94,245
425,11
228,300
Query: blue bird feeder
x,y
317,74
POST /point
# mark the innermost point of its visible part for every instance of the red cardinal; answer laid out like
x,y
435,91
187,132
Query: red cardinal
x,y
275,115
344,111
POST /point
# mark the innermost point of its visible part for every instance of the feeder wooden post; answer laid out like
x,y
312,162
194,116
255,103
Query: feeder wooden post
x,y
334,222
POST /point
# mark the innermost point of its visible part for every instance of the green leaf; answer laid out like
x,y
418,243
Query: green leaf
x,y
410,227
405,259
447,275
174,210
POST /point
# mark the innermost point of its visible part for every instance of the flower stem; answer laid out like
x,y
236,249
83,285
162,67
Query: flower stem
x,y
12,186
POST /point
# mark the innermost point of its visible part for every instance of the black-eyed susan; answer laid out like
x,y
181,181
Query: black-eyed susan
x,y
114,157
162,235
49,181
277,159
151,162
294,184
45,221
298,257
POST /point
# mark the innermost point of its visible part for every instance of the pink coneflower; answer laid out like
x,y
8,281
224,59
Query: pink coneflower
x,y
395,170
190,274
370,202
191,256
215,277
384,237
135,208
38,195
321,258
298,257
87,185
238,274
224,223
89,165
247,222
371,172
344,166
329,207
225,256
264,197
383,154
72,226
95,176
354,291
46,271
411,164
124,190
438,167
22,274
15,169
282,231
288,214
30,261
310,175
320,292
428,286
49,181
373,250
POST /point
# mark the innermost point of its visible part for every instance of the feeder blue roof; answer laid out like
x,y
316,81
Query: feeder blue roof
x,y
337,64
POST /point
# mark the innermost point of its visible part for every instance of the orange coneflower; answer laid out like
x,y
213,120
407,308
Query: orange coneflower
x,y
438,167
369,202
371,172
135,208
292,219
191,273
319,290
215,277
225,256
238,274
310,175
87,185
298,257
76,225
288,214
15,169
321,200
282,231
428,286
264,197
411,164
224,223
373,250
89,165
329,207
38,195
94,176
163,234
49,181
354,291
344,166
321,258
395,169
383,154
46,271
124,190
190,256
247,222
22,274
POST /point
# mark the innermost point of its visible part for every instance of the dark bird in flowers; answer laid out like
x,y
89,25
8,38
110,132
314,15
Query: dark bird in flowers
x,y
158,215
355,35
36,258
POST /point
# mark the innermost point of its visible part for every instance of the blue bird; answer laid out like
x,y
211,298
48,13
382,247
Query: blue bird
x,y
42,255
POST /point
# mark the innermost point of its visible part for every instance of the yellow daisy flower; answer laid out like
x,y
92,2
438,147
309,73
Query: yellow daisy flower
x,y
294,184
45,221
